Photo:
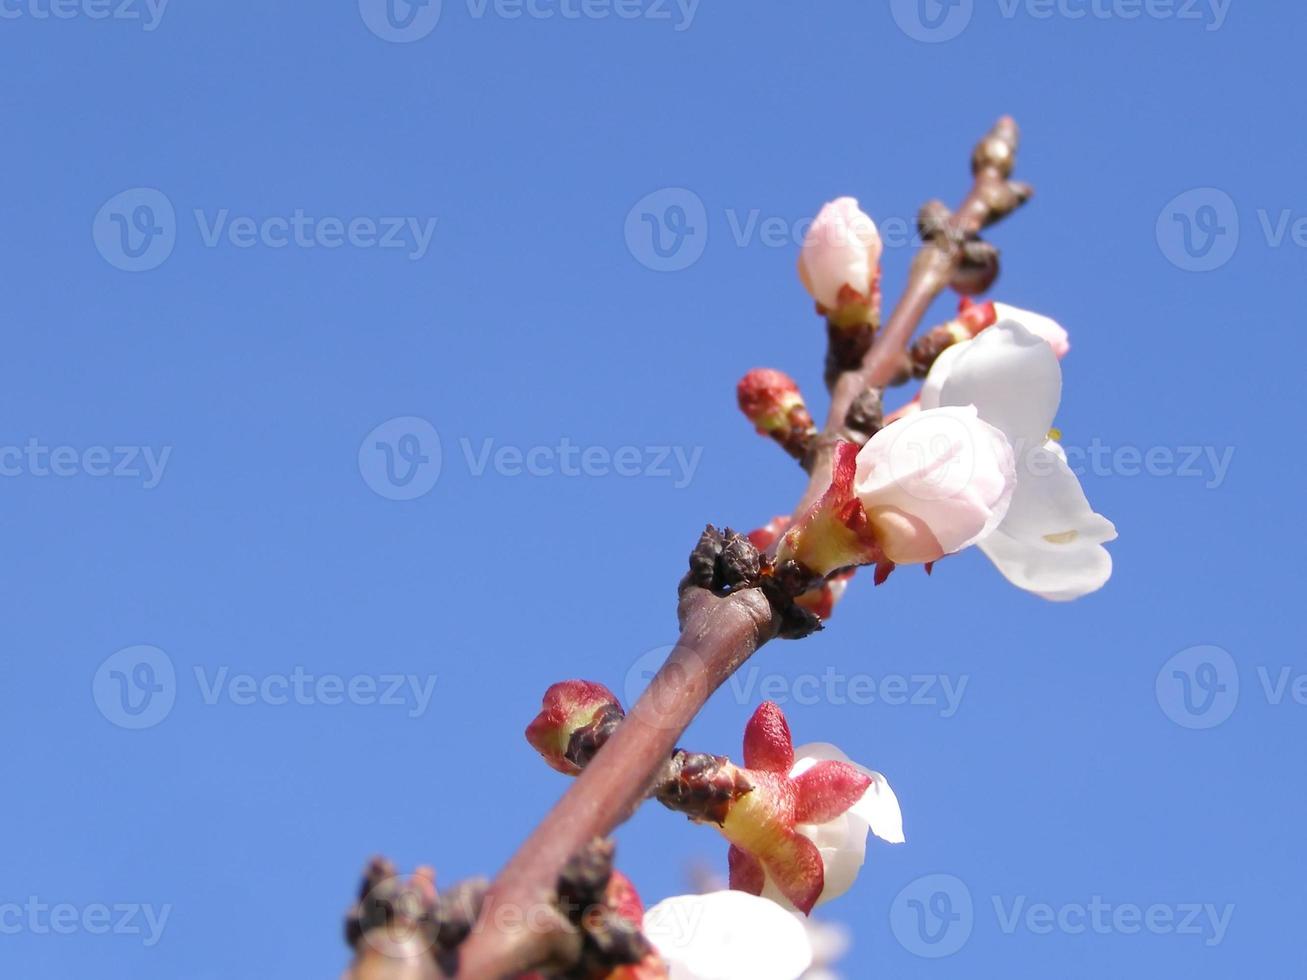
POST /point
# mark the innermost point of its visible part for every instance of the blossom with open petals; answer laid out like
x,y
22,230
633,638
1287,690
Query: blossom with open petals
x,y
934,483
727,935
800,836
1050,541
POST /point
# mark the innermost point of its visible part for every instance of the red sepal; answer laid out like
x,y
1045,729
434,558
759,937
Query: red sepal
x,y
768,745
798,872
746,871
827,790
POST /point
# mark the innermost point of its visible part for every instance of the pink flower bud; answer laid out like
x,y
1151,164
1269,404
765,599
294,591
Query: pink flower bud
x,y
767,399
934,483
568,707
840,260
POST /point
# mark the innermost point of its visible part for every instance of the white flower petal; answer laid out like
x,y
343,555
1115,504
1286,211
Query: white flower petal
x,y
934,483
1044,327
938,374
728,935
842,842
1051,541
1010,375
879,807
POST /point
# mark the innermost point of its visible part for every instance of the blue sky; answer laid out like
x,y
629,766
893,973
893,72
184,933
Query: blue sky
x,y
339,219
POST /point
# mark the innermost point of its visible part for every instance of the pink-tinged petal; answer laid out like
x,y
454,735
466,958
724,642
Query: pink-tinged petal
x,y
840,255
827,790
934,483
1051,542
746,871
1008,374
768,745
1045,328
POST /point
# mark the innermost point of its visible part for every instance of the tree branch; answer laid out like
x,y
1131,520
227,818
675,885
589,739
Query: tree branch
x,y
720,634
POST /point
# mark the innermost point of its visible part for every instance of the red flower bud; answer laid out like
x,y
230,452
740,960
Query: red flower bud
x,y
767,397
567,708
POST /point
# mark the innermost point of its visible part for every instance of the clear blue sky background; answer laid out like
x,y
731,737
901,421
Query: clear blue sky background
x,y
1066,772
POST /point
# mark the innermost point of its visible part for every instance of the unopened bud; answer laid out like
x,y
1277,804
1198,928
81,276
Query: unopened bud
x,y
575,719
773,403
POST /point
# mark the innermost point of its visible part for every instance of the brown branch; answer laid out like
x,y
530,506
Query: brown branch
x,y
720,634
